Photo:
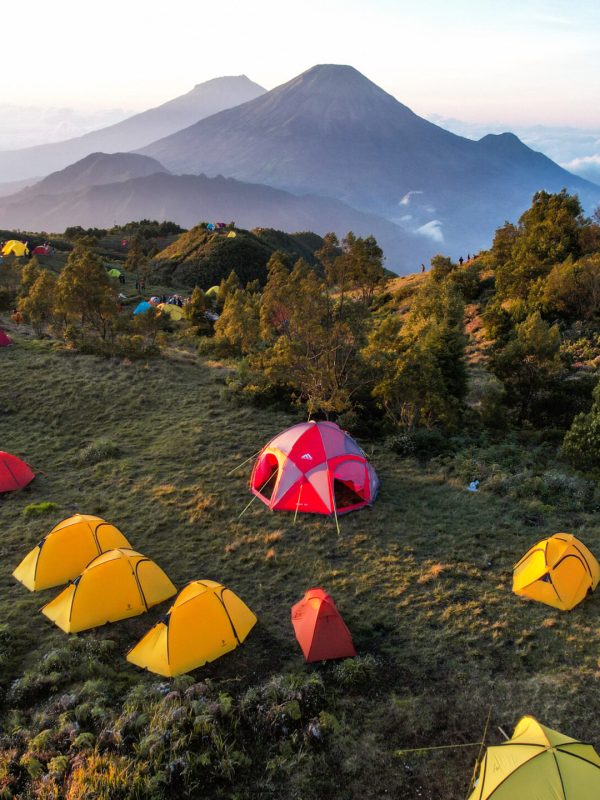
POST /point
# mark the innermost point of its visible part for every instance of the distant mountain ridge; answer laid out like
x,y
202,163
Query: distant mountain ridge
x,y
188,199
333,132
94,170
328,150
204,100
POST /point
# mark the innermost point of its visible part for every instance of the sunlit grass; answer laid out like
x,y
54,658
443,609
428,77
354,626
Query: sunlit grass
x,y
423,579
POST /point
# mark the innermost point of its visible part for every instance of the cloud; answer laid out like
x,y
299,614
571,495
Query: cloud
x,y
406,199
586,166
433,230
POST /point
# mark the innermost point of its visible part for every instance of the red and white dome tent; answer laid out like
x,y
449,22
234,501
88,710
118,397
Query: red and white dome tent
x,y
315,468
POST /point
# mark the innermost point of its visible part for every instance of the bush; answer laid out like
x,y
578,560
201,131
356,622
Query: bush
x,y
422,443
39,509
581,445
98,450
355,673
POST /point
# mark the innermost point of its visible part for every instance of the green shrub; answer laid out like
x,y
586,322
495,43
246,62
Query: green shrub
x,y
422,443
581,445
98,450
39,509
355,673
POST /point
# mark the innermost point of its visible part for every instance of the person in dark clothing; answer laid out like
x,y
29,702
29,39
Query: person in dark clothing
x,y
460,261
422,267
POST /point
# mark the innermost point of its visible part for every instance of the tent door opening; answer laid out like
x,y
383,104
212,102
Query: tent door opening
x,y
345,495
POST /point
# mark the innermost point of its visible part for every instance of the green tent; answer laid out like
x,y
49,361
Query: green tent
x,y
114,273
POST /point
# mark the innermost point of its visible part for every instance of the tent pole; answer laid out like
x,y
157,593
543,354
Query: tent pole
x,y
255,496
337,524
243,462
472,782
298,503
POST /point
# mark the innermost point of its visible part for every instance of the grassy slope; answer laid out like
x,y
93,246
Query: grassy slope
x,y
422,579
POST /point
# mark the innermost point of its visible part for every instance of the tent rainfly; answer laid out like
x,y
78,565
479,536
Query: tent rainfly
x,y
320,629
538,763
314,467
206,621
142,307
171,310
5,339
15,247
14,473
116,585
66,551
558,571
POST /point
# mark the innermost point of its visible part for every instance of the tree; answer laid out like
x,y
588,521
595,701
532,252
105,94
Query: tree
x,y
441,267
420,361
548,233
364,264
528,362
195,311
581,445
37,304
238,326
83,291
572,289
137,260
313,339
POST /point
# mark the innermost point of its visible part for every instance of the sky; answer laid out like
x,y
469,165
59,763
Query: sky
x,y
518,61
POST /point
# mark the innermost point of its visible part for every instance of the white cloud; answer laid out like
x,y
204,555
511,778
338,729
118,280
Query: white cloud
x,y
406,199
586,161
433,230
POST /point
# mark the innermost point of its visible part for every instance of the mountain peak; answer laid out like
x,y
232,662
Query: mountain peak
x,y
339,79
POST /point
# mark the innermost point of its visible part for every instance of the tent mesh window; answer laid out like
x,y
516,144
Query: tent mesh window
x,y
345,495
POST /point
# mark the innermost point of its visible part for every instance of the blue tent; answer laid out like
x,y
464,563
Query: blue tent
x,y
141,308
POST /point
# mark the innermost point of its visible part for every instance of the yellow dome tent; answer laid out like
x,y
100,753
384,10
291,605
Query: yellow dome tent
x,y
538,763
65,552
15,247
173,311
116,585
558,571
206,621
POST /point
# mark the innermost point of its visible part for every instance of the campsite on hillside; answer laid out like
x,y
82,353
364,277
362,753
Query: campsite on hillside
x,y
300,401
275,518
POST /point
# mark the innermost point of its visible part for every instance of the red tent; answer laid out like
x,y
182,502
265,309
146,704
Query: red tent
x,y
314,467
41,250
5,339
319,628
14,473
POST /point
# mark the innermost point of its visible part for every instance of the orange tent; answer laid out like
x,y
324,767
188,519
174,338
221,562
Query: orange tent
x,y
319,628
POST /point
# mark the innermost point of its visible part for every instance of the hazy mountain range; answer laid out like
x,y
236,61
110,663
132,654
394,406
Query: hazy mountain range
x,y
134,132
329,150
26,126
575,149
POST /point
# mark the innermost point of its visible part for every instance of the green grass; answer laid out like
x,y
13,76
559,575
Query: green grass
x,y
423,579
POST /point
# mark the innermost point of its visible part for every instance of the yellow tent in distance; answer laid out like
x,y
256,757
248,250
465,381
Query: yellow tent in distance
x,y
171,310
65,552
538,762
15,247
116,585
206,621
558,571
